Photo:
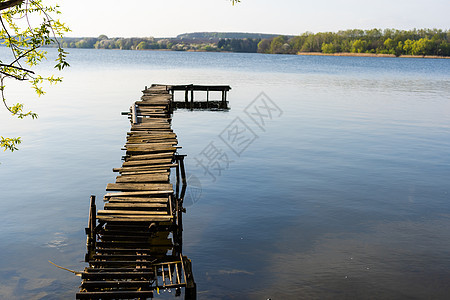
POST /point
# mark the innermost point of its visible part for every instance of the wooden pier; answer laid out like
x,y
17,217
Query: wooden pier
x,y
134,245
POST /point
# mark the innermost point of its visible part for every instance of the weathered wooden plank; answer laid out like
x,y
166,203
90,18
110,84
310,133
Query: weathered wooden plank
x,y
117,275
142,178
137,200
144,168
133,245
152,139
137,205
153,103
149,110
151,124
150,156
144,172
149,145
152,133
138,186
128,212
138,193
156,108
118,284
145,141
115,295
137,129
149,151
154,98
133,218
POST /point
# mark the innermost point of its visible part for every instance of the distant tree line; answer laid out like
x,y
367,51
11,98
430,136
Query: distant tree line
x,y
146,43
238,45
226,35
376,41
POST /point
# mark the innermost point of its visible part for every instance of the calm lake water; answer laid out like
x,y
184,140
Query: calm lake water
x,y
339,190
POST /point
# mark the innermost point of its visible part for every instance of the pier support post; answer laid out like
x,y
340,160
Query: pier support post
x,y
92,223
190,292
192,97
133,114
183,173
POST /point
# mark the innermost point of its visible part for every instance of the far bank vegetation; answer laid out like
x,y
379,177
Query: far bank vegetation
x,y
420,42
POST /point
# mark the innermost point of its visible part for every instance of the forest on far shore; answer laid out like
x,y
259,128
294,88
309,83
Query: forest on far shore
x,y
421,42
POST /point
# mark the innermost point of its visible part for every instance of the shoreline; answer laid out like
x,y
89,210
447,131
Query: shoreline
x,y
350,54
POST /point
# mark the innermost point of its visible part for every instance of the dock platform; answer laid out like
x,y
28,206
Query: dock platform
x,y
208,103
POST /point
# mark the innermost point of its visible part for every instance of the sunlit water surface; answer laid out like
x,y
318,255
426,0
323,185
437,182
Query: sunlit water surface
x,y
342,192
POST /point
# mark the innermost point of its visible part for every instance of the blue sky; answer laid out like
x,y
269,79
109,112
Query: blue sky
x,y
168,18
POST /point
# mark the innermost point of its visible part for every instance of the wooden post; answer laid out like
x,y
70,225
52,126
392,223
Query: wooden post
x,y
92,223
178,178
192,97
186,95
224,99
183,173
133,114
207,98
190,292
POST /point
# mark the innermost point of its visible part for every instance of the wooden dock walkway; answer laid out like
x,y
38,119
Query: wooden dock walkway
x,y
135,243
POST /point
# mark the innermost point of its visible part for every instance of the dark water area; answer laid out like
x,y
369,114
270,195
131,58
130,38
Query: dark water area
x,y
327,179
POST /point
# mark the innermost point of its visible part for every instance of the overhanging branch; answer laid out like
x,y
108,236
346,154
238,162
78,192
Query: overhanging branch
x,y
17,68
11,3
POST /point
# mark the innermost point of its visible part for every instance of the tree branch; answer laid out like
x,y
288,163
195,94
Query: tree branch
x,y
13,76
8,4
17,68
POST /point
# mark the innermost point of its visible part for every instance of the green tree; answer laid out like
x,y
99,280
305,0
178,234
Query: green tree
x,y
407,46
278,45
359,46
297,42
423,46
264,46
142,45
25,38
390,45
328,48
